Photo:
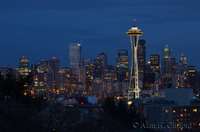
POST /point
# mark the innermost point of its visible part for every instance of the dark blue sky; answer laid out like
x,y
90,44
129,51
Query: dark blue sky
x,y
42,29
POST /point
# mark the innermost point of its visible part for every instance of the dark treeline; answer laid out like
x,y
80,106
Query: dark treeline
x,y
21,112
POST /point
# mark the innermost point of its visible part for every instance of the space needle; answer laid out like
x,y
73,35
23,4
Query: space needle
x,y
134,34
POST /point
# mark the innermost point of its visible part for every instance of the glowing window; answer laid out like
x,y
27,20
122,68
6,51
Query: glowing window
x,y
181,115
194,110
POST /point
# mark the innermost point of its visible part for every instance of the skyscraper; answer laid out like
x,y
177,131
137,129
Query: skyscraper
x,y
90,69
141,57
123,61
155,63
54,64
24,67
174,67
98,67
183,59
108,79
24,62
166,64
182,69
103,59
75,58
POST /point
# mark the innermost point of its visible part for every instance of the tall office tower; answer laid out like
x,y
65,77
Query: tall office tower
x,y
62,82
75,58
73,83
155,63
141,58
174,67
83,77
121,73
183,59
54,64
180,67
88,60
34,69
148,77
123,61
98,67
24,67
166,64
134,34
191,70
34,72
24,62
68,73
109,79
103,59
89,76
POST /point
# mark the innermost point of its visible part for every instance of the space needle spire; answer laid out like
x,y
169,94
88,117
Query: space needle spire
x,y
134,34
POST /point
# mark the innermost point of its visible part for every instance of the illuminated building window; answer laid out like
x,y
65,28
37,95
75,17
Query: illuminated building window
x,y
181,115
174,111
177,120
181,109
188,114
185,109
194,110
129,102
194,123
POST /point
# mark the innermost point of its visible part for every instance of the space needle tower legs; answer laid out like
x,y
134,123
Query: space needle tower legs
x,y
134,34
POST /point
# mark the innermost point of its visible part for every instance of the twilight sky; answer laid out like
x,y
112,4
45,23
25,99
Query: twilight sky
x,y
42,29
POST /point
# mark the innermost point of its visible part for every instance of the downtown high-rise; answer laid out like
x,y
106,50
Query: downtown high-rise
x,y
122,65
141,58
166,64
75,58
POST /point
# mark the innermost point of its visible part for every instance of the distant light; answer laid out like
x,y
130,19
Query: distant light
x,y
129,102
23,56
182,54
134,20
54,57
117,97
97,57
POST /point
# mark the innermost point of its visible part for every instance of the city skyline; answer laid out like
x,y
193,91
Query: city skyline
x,y
41,30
